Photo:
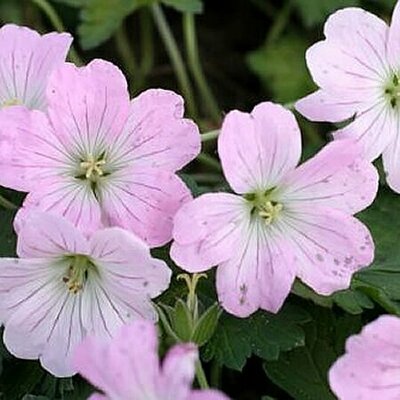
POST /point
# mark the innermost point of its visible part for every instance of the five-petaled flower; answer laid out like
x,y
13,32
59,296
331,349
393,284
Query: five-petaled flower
x,y
370,368
26,61
285,222
133,368
357,68
64,287
98,159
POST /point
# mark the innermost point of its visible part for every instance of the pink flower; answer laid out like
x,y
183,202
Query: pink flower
x,y
357,70
284,222
64,287
98,159
370,368
133,370
26,62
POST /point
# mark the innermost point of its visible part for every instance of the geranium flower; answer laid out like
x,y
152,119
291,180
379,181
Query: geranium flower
x,y
284,222
63,287
370,368
357,70
26,62
97,158
133,368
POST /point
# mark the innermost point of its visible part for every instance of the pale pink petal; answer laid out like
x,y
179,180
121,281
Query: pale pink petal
x,y
88,106
26,62
393,39
391,159
178,372
361,35
258,149
29,151
370,368
22,283
207,229
96,396
73,200
330,246
127,266
156,134
145,202
259,273
323,106
207,395
131,359
373,129
46,235
336,177
339,73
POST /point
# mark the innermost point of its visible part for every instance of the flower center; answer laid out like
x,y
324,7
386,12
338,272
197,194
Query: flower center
x,y
93,167
77,273
392,91
264,206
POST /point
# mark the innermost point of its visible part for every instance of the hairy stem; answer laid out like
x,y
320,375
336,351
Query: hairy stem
x,y
175,57
55,20
192,52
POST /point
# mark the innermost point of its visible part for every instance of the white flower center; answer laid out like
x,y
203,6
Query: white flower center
x,y
392,91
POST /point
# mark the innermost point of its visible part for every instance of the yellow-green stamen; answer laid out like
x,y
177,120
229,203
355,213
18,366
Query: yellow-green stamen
x,y
77,273
93,167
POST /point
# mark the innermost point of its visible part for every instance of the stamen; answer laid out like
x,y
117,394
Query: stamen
x,y
93,167
77,273
11,102
269,211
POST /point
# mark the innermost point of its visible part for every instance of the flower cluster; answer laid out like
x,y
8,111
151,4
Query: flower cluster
x,y
100,175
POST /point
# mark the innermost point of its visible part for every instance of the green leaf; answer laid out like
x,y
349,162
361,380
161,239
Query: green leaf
x,y
303,371
352,301
191,6
101,18
262,334
20,378
281,68
206,325
182,323
315,12
7,236
73,3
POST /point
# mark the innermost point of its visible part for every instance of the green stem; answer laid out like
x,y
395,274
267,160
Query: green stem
x,y
209,161
175,57
146,44
192,51
205,137
127,55
7,204
280,22
201,376
55,20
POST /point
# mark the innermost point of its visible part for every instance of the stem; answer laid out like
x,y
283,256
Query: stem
x,y
175,57
280,22
206,159
205,137
7,204
192,51
127,54
146,44
55,20
201,376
